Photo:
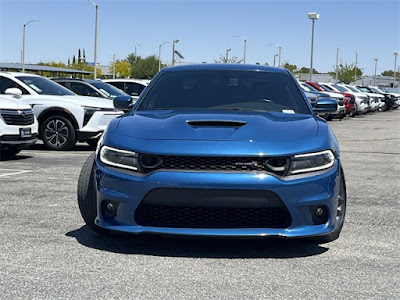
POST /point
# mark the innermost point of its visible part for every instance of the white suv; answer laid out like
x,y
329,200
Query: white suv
x,y
64,117
18,126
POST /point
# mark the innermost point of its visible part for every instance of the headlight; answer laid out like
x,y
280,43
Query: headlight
x,y
119,158
312,162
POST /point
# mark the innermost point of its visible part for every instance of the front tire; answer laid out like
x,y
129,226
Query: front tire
x,y
87,200
58,133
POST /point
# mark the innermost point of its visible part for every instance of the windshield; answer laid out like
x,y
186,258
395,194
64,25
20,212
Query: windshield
x,y
310,87
109,90
363,89
341,89
352,89
45,86
326,89
224,90
375,90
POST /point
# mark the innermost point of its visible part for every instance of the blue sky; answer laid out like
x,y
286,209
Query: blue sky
x,y
205,30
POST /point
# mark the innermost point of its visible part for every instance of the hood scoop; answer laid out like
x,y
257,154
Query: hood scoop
x,y
216,123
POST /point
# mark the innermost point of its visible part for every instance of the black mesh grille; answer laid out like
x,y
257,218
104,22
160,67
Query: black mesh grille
x,y
207,163
212,217
212,208
17,117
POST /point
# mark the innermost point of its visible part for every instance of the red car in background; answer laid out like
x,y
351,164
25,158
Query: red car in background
x,y
349,99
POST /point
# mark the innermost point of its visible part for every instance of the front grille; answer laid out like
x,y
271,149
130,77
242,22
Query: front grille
x,y
212,208
17,117
207,163
212,217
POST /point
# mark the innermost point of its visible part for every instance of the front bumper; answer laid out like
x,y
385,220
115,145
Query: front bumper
x,y
98,122
298,195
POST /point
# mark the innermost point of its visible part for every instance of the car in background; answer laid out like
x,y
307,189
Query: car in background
x,y
64,117
390,99
18,126
219,150
90,87
132,87
362,101
371,99
312,94
341,111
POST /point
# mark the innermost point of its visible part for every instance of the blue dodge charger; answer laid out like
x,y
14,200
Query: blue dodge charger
x,y
223,150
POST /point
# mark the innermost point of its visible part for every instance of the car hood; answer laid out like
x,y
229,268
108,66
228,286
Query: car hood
x,y
243,126
334,95
78,100
6,103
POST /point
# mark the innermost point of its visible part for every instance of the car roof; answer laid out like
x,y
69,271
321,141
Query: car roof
x,y
14,74
227,67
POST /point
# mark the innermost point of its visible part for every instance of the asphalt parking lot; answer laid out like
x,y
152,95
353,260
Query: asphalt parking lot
x,y
47,252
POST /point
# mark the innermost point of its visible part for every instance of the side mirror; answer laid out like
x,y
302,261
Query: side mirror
x,y
13,91
123,103
325,105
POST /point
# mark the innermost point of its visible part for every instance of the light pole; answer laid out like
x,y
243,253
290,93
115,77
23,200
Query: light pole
x,y
355,69
95,40
159,55
226,56
280,52
376,63
312,16
173,51
395,53
337,63
245,42
113,55
23,44
137,45
275,55
21,54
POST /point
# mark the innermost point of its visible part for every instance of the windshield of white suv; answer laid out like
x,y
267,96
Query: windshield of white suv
x,y
352,89
108,89
45,86
375,90
340,88
224,90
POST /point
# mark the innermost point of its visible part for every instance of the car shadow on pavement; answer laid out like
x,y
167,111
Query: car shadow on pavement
x,y
78,147
14,158
197,247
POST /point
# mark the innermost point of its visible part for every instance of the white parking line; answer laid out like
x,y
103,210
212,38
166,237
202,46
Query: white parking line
x,y
14,172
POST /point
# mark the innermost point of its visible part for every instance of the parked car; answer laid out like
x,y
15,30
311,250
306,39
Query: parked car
x,y
341,111
388,98
217,150
371,98
18,126
132,87
64,117
90,87
313,94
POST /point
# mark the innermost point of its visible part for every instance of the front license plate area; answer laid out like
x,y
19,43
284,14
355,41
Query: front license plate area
x,y
25,132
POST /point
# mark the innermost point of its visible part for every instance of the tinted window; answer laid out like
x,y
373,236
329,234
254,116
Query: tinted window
x,y
352,89
44,86
225,90
133,89
107,89
6,83
118,85
83,89
343,90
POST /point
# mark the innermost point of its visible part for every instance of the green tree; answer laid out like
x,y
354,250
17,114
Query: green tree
x,y
143,68
346,73
122,67
391,73
291,68
232,60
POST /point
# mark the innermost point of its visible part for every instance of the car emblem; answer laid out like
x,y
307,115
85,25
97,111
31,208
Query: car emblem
x,y
21,112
